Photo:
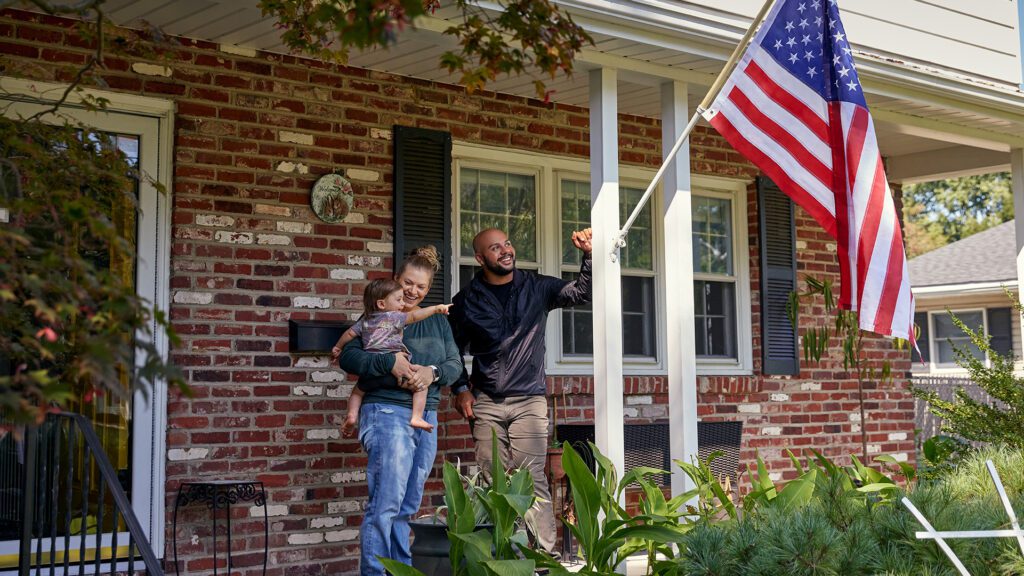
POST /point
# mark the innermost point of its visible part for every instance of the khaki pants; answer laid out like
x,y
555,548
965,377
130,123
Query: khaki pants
x,y
521,423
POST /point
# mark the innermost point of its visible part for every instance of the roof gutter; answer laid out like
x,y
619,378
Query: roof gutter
x,y
974,288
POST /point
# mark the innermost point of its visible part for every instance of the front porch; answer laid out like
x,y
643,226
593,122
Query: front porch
x,y
678,333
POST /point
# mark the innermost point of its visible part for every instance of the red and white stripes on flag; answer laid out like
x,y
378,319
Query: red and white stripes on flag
x,y
794,107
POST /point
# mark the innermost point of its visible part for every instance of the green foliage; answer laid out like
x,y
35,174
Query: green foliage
x,y
485,522
845,524
71,323
831,520
944,211
607,534
518,36
843,325
941,454
977,421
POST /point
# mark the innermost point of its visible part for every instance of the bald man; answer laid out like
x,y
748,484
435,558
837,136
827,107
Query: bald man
x,y
499,318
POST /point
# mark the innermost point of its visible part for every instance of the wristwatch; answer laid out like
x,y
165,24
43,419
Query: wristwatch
x,y
437,373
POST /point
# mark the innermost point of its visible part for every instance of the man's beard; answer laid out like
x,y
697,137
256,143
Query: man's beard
x,y
499,270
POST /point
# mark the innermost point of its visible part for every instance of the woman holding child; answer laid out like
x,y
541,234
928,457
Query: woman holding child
x,y
399,455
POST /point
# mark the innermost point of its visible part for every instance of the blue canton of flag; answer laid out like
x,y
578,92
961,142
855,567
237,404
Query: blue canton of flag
x,y
807,38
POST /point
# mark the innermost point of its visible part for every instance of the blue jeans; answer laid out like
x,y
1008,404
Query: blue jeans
x,y
400,458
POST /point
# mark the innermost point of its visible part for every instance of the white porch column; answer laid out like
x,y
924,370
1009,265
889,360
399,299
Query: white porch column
x,y
607,300
681,357
1017,185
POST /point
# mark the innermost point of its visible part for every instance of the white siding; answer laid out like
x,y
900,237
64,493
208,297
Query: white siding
x,y
976,37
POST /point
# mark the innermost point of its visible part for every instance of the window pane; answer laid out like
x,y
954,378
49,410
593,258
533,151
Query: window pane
x,y
715,319
638,320
1000,322
638,252
638,316
467,191
521,231
498,200
469,225
575,216
712,235
947,335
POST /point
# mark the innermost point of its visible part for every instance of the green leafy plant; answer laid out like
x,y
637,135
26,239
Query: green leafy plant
x,y
485,519
940,455
508,37
1000,422
72,326
844,325
607,534
71,323
847,520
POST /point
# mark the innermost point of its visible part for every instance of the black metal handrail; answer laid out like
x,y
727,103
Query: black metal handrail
x,y
59,460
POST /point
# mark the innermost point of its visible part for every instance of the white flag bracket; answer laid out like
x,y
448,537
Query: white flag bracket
x,y
930,533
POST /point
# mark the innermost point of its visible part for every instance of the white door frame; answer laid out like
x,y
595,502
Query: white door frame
x,y
152,119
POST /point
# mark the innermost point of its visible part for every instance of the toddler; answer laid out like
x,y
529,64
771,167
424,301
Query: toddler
x,y
380,327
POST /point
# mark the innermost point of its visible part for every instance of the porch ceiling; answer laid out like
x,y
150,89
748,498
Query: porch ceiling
x,y
908,124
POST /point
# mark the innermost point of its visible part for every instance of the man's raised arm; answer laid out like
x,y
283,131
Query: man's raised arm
x,y
578,291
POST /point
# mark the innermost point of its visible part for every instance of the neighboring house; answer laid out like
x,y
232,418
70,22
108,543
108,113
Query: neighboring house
x,y
238,132
969,278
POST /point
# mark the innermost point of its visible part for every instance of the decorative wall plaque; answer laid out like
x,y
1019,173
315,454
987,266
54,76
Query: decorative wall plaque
x,y
331,199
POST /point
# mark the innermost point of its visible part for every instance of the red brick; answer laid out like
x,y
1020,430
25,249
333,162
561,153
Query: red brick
x,y
167,88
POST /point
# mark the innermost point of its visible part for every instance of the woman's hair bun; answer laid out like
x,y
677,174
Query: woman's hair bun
x,y
429,254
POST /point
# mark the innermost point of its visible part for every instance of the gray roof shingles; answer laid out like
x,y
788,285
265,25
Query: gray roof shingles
x,y
988,256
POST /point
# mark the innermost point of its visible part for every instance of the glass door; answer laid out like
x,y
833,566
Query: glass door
x,y
128,427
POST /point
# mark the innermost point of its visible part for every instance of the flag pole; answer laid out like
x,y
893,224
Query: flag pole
x,y
716,87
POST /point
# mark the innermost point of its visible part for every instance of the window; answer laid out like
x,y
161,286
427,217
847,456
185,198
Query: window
x,y
714,275
639,318
948,336
541,199
503,200
942,337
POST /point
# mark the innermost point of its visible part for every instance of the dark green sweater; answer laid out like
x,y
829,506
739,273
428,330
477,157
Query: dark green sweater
x,y
430,342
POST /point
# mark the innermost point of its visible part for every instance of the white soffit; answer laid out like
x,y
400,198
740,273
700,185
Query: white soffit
x,y
646,42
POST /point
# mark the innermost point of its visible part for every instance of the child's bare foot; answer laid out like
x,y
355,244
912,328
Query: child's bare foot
x,y
348,428
421,424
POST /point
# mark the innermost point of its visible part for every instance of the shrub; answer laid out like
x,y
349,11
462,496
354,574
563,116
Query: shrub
x,y
849,531
1000,423
71,323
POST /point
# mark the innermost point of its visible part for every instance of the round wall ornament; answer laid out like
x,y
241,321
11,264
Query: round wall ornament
x,y
331,199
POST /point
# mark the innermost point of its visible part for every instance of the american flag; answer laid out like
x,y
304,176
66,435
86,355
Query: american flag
x,y
794,107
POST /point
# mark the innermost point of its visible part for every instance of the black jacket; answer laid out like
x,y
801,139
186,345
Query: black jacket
x,y
508,345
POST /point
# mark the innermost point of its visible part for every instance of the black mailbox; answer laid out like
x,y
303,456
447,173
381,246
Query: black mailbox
x,y
314,336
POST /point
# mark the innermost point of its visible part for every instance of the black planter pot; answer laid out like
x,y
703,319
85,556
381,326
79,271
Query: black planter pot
x,y
430,547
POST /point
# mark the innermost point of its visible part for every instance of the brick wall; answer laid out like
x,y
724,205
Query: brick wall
x,y
253,131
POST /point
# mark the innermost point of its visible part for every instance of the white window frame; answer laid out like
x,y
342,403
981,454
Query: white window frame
x,y
933,349
736,193
149,425
635,364
550,169
521,169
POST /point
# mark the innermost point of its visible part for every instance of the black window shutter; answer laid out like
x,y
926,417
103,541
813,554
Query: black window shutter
x,y
423,200
1001,331
778,279
923,341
